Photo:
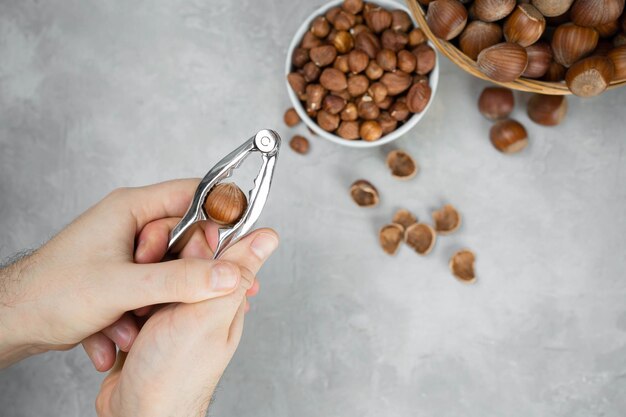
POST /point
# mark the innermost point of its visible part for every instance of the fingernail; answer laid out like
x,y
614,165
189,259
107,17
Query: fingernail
x,y
122,334
263,245
141,246
224,276
98,358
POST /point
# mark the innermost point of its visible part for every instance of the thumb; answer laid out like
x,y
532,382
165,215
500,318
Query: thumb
x,y
183,280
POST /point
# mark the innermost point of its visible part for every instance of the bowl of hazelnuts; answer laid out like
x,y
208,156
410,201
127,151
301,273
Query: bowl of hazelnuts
x,y
361,74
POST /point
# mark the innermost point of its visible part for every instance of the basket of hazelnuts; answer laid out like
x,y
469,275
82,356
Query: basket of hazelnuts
x,y
554,47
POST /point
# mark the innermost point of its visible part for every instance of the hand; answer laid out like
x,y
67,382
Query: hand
x,y
183,349
85,279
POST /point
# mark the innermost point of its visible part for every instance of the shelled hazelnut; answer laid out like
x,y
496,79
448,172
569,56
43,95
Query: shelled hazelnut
x,y
291,118
355,63
299,144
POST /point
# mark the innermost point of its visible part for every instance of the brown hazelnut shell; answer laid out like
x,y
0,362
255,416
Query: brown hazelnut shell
x,y
590,76
524,26
225,203
503,62
539,59
547,110
364,193
596,12
462,266
446,18
420,237
496,103
570,43
492,10
618,56
390,237
508,136
447,219
401,164
477,36
552,8
404,218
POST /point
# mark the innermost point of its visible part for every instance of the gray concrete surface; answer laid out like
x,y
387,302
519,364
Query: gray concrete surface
x,y
96,95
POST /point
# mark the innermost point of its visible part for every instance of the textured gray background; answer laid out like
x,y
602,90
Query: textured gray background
x,y
96,95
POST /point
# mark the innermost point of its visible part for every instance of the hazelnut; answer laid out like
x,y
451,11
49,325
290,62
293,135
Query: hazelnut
x,y
333,104
364,193
447,18
539,59
462,266
390,237
618,56
524,26
496,103
343,42
547,110
332,13
377,91
407,61
399,111
447,219
386,58
357,61
311,72
368,43
503,62
416,36
368,110
396,82
297,83
418,97
477,36
225,203
357,85
309,40
400,20
404,218
420,236
328,122
387,123
352,6
619,40
385,103
508,136
299,57
323,55
370,130
342,63
314,95
426,58
393,40
291,118
299,144
596,12
401,164
378,19
552,8
571,43
348,130
334,80
344,20
607,30
373,71
349,113
590,76
555,72
320,27
358,29
492,10
344,94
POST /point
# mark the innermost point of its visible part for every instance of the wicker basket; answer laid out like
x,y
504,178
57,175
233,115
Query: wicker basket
x,y
469,65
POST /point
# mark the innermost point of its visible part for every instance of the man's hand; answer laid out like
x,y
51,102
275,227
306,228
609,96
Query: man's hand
x,y
85,279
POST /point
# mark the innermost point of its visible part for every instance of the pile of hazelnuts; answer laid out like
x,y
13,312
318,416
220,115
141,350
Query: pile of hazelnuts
x,y
580,41
360,71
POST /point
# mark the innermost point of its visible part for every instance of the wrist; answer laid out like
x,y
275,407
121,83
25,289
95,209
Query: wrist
x,y
14,322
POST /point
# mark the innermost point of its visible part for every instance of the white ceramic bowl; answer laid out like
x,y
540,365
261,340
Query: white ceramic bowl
x,y
408,125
